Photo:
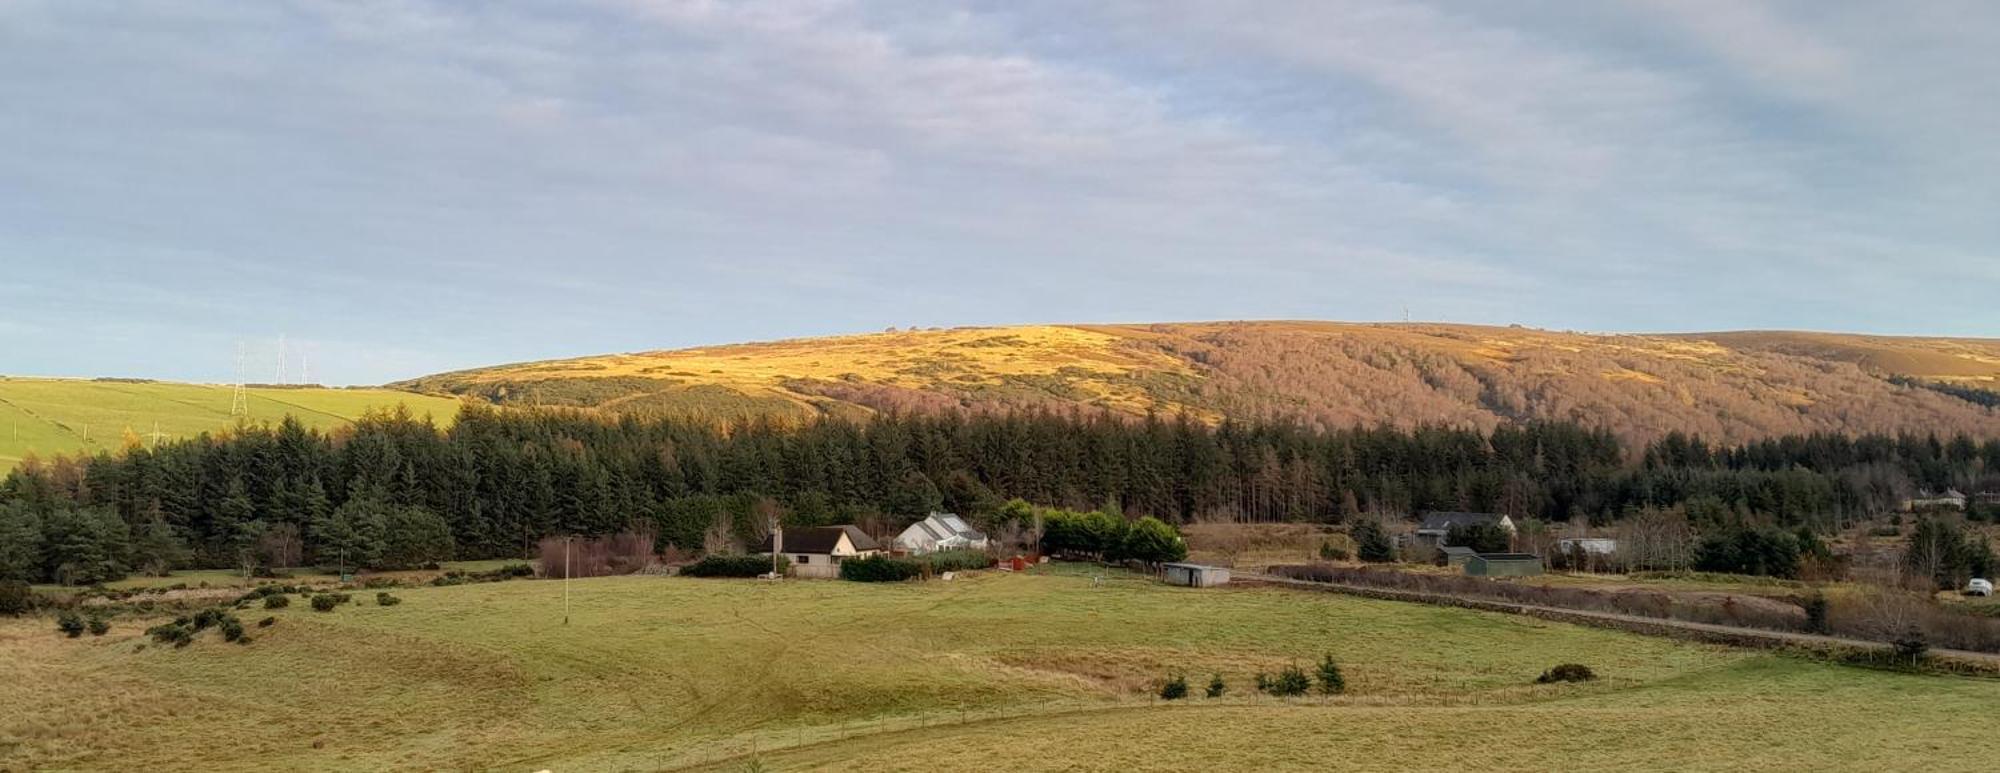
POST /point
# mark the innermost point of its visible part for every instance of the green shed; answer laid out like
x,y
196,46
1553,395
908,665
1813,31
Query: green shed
x,y
1503,565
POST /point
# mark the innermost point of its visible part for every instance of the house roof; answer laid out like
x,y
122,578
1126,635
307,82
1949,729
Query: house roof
x,y
943,526
1442,521
1200,567
823,539
1456,550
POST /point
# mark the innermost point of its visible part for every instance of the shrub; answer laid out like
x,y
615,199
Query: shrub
x,y
1330,680
175,633
622,553
325,602
267,622
1331,552
99,626
70,623
208,618
1290,681
1175,688
733,566
1152,541
514,570
277,602
232,628
957,560
880,569
16,598
385,599
1816,608
1567,672
1216,687
1371,543
1911,644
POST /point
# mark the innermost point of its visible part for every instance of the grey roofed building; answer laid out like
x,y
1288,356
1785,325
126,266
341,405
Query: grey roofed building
x,y
1453,555
940,531
1436,524
823,539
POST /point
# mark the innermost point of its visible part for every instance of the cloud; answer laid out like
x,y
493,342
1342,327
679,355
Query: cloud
x,y
526,179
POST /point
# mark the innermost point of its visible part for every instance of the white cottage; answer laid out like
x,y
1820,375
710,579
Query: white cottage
x,y
940,531
818,551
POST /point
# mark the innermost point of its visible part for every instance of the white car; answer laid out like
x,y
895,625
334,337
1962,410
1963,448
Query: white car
x,y
1979,588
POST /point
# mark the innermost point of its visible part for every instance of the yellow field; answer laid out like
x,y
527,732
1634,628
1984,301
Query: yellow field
x,y
67,416
1046,671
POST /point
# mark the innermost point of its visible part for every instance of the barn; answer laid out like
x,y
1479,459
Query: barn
x,y
1194,575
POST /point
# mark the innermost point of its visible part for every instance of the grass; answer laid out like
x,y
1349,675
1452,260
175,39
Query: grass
x,y
1043,671
68,416
227,578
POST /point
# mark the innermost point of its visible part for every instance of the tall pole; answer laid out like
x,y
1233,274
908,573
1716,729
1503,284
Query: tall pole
x,y
566,541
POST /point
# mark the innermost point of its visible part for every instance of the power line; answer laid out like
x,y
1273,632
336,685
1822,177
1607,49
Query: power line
x,y
239,400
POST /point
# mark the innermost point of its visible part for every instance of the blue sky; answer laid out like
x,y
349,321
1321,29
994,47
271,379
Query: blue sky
x,y
403,187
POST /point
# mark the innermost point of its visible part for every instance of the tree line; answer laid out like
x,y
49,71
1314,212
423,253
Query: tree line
x,y
393,489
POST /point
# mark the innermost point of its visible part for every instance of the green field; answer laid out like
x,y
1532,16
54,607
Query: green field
x,y
1039,672
65,416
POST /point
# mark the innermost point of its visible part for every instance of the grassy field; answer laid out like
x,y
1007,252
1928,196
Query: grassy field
x,y
1042,672
65,416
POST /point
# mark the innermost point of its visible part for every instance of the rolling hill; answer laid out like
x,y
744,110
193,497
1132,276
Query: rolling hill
x,y
1731,386
67,416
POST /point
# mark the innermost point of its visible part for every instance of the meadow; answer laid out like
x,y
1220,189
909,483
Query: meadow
x,y
68,416
1050,670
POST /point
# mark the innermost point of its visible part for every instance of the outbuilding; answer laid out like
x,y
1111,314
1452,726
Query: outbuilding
x,y
1194,575
1453,555
1503,565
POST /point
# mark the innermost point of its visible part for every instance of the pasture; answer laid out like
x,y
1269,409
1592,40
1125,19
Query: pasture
x,y
68,416
1044,671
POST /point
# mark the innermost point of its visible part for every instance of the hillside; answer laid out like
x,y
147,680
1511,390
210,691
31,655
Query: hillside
x,y
66,416
1731,386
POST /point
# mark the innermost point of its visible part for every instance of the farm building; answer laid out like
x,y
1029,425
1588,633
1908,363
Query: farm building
x,y
1436,525
1595,546
1949,499
1453,555
1503,565
940,531
1194,575
817,552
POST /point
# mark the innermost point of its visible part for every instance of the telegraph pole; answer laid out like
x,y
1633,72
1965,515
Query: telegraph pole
x,y
566,541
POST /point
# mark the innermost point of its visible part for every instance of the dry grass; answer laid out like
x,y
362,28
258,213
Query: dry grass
x,y
1729,387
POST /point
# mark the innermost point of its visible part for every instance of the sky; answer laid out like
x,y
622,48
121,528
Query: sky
x,y
400,187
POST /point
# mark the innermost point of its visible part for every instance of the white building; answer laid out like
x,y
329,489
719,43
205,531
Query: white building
x,y
940,531
817,552
1596,546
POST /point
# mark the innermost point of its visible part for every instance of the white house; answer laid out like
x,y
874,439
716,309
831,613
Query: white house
x,y
1595,546
940,531
818,551
1950,499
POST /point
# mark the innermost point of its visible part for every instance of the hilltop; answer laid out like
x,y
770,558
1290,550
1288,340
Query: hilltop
x,y
1730,386
49,416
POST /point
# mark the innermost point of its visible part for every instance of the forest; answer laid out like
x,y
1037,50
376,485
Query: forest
x,y
393,490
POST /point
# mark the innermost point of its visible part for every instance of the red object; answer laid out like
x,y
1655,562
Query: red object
x,y
1018,564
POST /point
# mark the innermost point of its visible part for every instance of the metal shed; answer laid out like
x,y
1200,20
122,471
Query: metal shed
x,y
1503,565
1194,575
1454,555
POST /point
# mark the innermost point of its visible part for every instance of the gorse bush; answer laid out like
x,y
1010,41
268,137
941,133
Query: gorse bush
x,y
70,624
386,599
99,626
176,633
232,628
1216,687
1175,688
733,566
880,568
267,622
1331,552
1567,672
325,602
277,602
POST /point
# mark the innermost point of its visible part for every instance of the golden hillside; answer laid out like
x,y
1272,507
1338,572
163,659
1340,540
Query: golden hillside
x,y
1731,386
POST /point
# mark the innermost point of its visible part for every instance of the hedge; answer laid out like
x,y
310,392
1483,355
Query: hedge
x,y
880,569
733,566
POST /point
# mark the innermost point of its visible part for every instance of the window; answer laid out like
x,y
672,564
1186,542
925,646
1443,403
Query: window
x,y
802,559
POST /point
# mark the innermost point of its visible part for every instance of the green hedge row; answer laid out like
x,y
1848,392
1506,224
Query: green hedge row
x,y
733,566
